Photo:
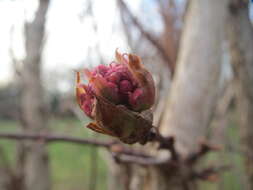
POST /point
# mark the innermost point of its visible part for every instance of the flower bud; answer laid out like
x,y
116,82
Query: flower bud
x,y
115,97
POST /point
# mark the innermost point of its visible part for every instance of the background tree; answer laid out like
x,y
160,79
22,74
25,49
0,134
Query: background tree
x,y
33,108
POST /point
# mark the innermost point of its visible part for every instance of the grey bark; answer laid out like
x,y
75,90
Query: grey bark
x,y
240,36
194,89
34,119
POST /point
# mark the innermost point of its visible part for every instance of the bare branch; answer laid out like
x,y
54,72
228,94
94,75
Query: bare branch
x,y
147,35
139,160
54,138
210,173
164,143
120,152
113,146
123,154
205,147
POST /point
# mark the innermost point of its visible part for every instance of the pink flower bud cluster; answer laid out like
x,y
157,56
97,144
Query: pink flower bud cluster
x,y
124,82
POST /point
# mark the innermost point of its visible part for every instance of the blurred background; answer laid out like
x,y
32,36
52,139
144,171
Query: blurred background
x,y
184,43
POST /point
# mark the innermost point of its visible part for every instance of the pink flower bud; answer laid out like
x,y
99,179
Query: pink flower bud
x,y
114,93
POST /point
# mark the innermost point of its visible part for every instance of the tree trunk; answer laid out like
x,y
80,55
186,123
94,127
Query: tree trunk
x,y
240,35
36,167
194,90
193,95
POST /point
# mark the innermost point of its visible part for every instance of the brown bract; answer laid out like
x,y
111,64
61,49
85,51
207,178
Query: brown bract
x,y
116,120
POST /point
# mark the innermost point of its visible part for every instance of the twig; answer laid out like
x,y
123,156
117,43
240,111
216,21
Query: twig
x,y
140,160
117,148
55,138
120,152
210,173
112,146
123,154
204,149
147,35
164,143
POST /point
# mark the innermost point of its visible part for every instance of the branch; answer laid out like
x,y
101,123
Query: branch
x,y
164,143
205,147
55,138
117,149
211,173
147,35
120,152
139,160
123,154
113,146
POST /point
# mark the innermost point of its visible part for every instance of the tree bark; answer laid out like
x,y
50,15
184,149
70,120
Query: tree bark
x,y
240,36
193,95
34,119
195,87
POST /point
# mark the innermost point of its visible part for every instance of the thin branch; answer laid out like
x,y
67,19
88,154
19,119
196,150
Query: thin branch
x,y
140,160
147,35
203,150
123,154
112,146
55,138
119,149
164,143
210,173
120,152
